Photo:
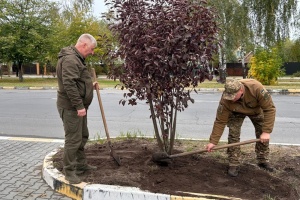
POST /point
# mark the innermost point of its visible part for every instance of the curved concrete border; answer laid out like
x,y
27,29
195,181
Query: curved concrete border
x,y
56,180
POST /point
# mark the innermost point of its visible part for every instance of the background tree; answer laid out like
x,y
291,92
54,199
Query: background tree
x,y
166,46
76,18
250,24
294,55
35,33
266,66
234,31
289,50
25,26
270,19
270,22
106,43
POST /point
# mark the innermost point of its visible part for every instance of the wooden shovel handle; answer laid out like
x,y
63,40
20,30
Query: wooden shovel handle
x,y
215,148
100,105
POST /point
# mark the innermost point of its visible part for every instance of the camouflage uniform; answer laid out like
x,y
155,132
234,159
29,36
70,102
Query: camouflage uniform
x,y
257,104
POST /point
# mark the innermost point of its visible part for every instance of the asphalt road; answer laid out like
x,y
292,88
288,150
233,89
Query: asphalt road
x,y
33,113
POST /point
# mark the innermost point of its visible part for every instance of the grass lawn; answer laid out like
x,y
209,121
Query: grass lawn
x,y
46,82
283,83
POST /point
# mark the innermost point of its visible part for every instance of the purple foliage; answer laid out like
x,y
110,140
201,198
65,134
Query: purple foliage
x,y
166,46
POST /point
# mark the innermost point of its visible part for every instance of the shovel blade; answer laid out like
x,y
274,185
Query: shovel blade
x,y
113,153
115,156
158,156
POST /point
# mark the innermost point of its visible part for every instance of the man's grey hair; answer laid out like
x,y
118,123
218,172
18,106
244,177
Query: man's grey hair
x,y
87,37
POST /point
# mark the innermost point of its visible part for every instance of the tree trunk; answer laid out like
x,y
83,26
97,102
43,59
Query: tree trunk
x,y
173,129
158,138
1,71
20,72
222,67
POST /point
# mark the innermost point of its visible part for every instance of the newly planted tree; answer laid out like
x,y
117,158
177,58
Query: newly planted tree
x,y
165,46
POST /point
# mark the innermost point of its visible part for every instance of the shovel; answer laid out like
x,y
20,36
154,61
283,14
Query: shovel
x,y
163,156
112,152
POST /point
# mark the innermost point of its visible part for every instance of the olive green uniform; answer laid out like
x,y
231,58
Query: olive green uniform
x,y
257,104
75,92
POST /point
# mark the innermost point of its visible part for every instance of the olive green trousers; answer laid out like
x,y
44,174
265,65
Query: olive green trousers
x,y
76,136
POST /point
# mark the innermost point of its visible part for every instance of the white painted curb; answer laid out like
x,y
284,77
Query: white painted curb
x,y
109,192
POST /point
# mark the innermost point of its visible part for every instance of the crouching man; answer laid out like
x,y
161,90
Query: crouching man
x,y
241,98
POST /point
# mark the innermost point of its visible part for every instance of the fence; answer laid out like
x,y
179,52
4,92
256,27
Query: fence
x,y
235,69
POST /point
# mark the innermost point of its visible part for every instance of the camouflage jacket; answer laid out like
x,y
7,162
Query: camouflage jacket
x,y
254,101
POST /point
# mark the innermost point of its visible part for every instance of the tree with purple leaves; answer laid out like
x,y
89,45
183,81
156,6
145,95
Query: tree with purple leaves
x,y
165,46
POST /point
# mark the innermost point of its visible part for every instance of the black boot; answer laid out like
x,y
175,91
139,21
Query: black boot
x,y
80,169
266,166
72,177
233,171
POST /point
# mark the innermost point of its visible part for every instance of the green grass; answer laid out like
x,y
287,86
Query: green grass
x,y
285,83
132,134
47,81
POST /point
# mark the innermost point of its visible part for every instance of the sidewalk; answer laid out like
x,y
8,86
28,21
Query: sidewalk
x,y
21,161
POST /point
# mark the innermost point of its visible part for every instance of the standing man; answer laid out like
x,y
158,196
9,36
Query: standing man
x,y
246,97
74,95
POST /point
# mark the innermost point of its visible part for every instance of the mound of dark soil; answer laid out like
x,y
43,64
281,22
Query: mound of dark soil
x,y
204,173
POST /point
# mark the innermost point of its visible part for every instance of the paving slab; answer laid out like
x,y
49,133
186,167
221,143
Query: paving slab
x,y
21,161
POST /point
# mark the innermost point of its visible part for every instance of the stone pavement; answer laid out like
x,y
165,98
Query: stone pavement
x,y
21,161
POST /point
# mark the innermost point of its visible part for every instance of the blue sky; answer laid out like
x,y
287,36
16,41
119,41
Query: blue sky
x,y
99,7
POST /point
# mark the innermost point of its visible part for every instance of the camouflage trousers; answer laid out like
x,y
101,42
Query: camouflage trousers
x,y
234,124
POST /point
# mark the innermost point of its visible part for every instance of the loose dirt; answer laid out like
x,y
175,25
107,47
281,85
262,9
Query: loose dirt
x,y
204,173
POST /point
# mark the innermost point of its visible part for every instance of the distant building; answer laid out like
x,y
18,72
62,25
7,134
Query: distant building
x,y
236,69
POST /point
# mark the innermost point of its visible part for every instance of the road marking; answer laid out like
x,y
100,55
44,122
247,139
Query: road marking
x,y
32,139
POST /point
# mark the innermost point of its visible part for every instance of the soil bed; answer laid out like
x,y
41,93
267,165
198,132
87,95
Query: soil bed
x,y
201,173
